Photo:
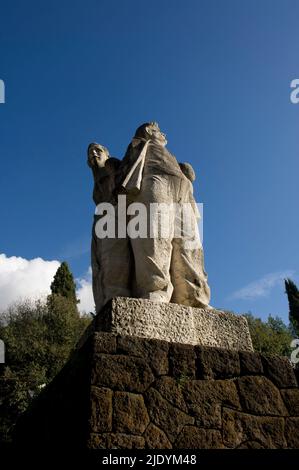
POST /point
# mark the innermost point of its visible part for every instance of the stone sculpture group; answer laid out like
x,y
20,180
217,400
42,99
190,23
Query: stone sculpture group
x,y
151,265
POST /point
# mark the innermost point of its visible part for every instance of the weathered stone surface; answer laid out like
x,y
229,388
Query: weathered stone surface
x,y
251,363
238,428
115,401
250,445
129,413
291,432
97,441
104,343
124,441
205,399
175,323
216,363
101,410
280,371
155,438
182,361
259,396
171,390
291,400
192,437
115,441
123,373
164,415
155,352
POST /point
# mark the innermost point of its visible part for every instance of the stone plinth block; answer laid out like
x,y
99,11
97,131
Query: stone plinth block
x,y
174,323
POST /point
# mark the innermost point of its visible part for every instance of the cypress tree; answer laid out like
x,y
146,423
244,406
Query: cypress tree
x,y
63,283
293,298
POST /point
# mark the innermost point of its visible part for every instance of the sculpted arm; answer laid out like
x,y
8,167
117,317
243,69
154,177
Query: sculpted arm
x,y
188,171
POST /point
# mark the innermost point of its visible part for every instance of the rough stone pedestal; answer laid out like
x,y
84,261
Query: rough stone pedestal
x,y
121,392
175,323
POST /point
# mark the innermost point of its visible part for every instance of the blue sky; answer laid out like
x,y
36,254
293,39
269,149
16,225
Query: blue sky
x,y
216,76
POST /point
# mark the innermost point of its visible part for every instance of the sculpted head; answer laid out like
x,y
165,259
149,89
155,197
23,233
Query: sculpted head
x,y
97,155
151,131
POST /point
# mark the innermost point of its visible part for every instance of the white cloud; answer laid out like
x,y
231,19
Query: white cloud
x,y
84,293
261,287
21,278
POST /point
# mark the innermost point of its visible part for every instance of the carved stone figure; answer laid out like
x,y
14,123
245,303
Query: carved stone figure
x,y
110,257
155,267
165,269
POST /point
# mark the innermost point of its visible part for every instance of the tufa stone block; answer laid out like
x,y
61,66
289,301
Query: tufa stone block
x,y
280,371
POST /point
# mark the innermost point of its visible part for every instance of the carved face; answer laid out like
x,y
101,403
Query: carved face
x,y
99,154
156,135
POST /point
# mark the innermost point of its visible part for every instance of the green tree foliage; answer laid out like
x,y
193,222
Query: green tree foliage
x,y
63,283
39,338
270,337
293,298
